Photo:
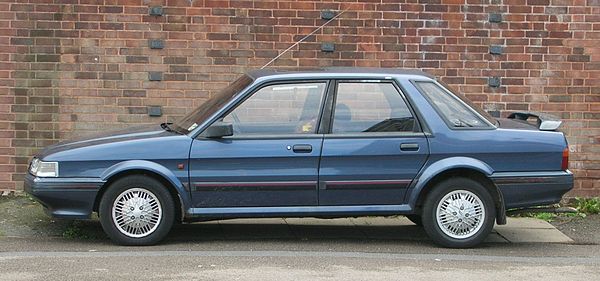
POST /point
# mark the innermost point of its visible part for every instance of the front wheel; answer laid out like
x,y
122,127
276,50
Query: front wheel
x,y
458,213
137,210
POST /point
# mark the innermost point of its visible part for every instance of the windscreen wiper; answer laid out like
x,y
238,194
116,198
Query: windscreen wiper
x,y
168,128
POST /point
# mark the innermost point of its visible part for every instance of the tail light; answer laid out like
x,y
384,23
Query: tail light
x,y
565,159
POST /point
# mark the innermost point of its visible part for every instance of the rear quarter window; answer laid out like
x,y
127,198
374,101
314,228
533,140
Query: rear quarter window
x,y
455,113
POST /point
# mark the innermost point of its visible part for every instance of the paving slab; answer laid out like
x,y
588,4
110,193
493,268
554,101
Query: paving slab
x,y
528,223
529,230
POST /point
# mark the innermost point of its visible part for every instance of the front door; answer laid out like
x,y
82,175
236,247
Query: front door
x,y
374,149
273,155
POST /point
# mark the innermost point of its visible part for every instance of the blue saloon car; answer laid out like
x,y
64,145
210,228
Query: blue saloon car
x,y
326,143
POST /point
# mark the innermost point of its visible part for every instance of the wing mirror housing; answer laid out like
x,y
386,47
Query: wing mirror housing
x,y
218,129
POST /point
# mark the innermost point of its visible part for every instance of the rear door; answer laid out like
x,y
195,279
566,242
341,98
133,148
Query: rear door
x,y
374,147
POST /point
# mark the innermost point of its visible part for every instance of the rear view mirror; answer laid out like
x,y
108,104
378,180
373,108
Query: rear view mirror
x,y
218,129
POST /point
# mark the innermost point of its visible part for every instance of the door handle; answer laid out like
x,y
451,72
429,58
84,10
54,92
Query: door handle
x,y
302,148
409,146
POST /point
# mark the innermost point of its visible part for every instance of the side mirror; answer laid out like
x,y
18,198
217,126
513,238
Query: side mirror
x,y
218,129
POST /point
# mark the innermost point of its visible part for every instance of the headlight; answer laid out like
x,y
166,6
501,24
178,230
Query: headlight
x,y
40,168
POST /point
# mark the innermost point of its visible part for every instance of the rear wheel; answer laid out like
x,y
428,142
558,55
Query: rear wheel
x,y
137,210
458,213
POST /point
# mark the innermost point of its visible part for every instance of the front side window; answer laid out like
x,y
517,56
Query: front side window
x,y
279,109
363,107
456,113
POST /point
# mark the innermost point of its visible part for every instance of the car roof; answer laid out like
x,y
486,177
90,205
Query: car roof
x,y
339,72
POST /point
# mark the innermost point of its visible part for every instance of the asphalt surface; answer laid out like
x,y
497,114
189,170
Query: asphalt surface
x,y
254,251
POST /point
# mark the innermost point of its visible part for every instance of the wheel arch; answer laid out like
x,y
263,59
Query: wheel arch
x,y
156,171
457,167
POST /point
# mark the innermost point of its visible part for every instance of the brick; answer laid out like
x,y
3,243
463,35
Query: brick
x,y
536,33
134,93
174,77
111,26
47,58
111,9
512,65
556,10
224,61
538,2
111,76
21,41
217,53
223,12
578,58
175,60
180,69
393,47
86,75
137,109
41,33
136,59
218,36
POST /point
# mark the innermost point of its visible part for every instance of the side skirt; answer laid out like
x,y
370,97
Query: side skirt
x,y
309,211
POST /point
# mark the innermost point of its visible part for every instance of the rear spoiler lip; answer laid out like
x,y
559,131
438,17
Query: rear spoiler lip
x,y
545,122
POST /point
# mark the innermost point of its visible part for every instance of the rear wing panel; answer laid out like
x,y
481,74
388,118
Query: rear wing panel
x,y
545,122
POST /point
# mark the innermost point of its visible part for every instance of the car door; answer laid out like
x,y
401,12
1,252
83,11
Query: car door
x,y
273,155
374,147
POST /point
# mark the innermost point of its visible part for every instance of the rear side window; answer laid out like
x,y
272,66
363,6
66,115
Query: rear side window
x,y
456,113
363,107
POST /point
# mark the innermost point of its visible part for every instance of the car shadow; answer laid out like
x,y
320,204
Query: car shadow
x,y
267,231
295,231
261,230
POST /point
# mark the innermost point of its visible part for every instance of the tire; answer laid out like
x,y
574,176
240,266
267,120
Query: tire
x,y
416,219
137,196
473,223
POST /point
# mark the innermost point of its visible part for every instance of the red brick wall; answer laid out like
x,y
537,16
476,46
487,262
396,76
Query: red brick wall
x,y
74,66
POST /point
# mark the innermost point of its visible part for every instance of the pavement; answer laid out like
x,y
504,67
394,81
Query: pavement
x,y
517,230
372,248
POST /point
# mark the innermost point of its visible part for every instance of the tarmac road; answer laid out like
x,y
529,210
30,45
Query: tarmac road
x,y
257,251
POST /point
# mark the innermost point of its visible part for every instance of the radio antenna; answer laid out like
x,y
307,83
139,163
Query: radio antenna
x,y
304,38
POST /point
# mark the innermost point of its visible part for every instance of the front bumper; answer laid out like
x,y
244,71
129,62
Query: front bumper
x,y
71,198
530,189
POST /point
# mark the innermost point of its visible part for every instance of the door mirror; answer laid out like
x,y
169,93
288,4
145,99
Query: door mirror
x,y
218,129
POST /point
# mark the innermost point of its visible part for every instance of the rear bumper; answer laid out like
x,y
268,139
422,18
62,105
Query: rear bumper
x,y
529,189
71,198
